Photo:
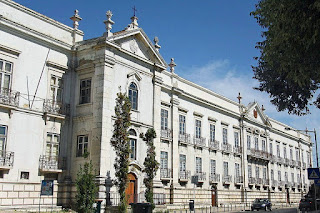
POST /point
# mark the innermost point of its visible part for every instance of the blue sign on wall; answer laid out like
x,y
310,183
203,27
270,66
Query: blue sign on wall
x,y
313,173
47,187
317,182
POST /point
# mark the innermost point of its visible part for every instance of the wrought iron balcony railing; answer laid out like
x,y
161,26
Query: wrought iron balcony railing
x,y
252,180
265,182
274,183
227,148
9,97
184,138
201,176
199,142
237,150
51,164
214,145
184,175
280,160
227,179
214,178
6,160
292,163
258,154
259,181
286,161
238,179
165,173
298,164
166,134
54,107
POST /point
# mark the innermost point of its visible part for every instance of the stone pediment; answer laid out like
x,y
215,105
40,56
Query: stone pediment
x,y
136,42
255,113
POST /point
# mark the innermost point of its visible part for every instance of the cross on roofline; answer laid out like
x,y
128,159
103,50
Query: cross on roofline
x,y
134,10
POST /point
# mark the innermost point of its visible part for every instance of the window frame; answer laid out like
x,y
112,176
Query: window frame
x,y
164,119
86,97
4,72
133,95
182,124
84,145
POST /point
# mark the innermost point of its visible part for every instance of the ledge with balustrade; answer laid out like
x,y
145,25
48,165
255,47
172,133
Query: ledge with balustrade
x,y
280,160
184,176
287,184
51,164
166,134
258,154
6,160
286,162
199,142
238,180
200,176
226,148
274,183
292,163
251,181
185,139
298,164
227,179
258,181
214,145
214,178
165,174
265,182
237,150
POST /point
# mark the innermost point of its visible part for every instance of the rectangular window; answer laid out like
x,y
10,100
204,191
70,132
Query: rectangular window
x,y
212,167
182,166
272,174
82,145
285,152
212,132
5,74
304,179
85,91
256,143
286,176
198,128
52,146
264,173
236,139
302,158
249,171
225,135
56,87
248,142
292,177
263,145
271,148
163,160
237,169
3,139
291,154
279,175
133,148
225,169
164,119
24,175
257,172
298,178
198,165
297,155
278,150
182,124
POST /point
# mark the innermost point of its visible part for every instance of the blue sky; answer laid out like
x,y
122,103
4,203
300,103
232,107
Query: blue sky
x,y
212,41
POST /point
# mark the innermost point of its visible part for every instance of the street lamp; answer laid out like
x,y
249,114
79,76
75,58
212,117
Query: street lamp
x,y
315,139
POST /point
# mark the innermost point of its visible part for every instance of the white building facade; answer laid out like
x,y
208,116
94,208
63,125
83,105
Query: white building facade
x,y
57,101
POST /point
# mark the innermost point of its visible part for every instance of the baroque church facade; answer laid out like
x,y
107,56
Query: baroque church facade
x,y
57,98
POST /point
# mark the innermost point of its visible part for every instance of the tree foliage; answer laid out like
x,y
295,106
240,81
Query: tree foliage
x,y
86,188
120,143
151,165
288,67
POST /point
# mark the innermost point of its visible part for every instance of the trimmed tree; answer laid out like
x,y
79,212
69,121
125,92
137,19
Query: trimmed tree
x,y
86,188
150,165
288,67
120,143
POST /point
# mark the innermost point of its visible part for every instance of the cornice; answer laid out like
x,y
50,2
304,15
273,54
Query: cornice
x,y
10,50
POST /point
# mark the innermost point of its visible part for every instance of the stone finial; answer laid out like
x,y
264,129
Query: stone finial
x,y
262,108
76,18
134,23
172,65
108,24
156,45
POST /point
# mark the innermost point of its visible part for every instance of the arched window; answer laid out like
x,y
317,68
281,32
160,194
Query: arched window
x,y
133,96
133,144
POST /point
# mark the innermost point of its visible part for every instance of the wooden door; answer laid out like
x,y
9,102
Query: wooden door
x,y
213,197
131,189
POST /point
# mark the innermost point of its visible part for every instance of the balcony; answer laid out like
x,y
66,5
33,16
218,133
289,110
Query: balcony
x,y
6,160
165,174
184,139
226,148
272,158
298,164
286,162
51,164
214,145
304,165
199,142
281,183
200,176
237,150
258,154
55,108
258,181
274,183
238,180
166,134
292,163
251,181
280,160
214,178
287,184
227,179
184,176
9,98
265,182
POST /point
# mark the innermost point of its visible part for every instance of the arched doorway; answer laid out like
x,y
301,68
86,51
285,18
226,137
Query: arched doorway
x,y
131,190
